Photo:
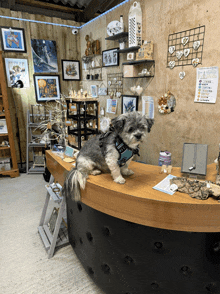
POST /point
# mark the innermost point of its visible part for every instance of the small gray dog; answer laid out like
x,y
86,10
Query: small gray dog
x,y
109,152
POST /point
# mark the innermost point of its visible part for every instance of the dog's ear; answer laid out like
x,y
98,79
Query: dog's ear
x,y
118,123
150,123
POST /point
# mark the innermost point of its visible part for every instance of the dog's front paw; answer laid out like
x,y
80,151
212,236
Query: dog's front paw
x,y
128,172
120,180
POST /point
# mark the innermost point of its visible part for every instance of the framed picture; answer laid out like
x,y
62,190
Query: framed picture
x,y
47,88
3,126
94,91
13,39
129,103
110,57
70,70
17,69
44,56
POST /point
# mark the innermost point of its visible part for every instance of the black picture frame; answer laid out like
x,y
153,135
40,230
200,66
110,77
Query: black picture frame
x,y
110,57
46,91
68,74
13,39
129,103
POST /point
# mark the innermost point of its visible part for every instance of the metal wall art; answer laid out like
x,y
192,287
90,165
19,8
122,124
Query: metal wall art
x,y
186,47
166,103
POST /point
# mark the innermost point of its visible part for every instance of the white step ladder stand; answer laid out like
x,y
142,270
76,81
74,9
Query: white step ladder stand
x,y
52,240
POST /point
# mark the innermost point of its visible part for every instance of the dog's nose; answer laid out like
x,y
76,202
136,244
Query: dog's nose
x,y
138,136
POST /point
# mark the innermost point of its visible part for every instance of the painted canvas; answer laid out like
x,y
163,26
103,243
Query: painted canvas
x,y
17,69
44,56
47,88
13,39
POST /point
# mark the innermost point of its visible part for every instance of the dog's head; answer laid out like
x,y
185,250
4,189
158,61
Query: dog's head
x,y
132,127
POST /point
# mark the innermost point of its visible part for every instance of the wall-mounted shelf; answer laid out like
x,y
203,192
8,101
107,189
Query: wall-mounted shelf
x,y
139,77
94,67
140,65
127,50
118,36
92,80
136,62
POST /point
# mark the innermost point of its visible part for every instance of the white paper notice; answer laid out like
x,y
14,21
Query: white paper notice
x,y
206,84
164,185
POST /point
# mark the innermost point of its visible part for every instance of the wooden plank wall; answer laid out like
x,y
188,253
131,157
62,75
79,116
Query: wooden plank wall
x,y
68,47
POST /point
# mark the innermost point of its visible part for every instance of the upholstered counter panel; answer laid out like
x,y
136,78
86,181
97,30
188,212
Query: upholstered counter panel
x,y
127,258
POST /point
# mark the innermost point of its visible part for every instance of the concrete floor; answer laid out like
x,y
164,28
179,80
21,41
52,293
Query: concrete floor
x,y
25,268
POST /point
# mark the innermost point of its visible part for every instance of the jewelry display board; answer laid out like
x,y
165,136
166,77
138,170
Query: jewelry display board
x,y
115,83
186,47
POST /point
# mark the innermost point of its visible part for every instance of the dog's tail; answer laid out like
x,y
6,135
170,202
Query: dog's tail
x,y
74,181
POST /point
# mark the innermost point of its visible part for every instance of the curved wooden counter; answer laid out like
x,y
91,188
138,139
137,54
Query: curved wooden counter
x,y
137,202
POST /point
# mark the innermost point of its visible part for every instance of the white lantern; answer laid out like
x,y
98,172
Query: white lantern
x,y
135,25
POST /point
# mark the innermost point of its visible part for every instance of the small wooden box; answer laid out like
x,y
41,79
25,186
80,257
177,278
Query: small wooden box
x,y
130,71
145,52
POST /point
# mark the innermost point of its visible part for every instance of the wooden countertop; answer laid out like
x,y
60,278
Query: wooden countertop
x,y
137,202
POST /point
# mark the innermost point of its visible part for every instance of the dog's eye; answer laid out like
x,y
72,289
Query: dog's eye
x,y
130,130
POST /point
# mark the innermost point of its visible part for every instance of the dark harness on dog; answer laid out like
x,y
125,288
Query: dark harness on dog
x,y
125,153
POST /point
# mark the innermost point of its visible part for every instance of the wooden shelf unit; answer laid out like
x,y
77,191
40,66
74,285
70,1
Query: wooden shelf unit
x,y
14,171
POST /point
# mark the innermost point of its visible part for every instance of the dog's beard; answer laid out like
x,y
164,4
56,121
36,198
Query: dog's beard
x,y
131,140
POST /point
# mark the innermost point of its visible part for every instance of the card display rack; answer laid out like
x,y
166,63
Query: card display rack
x,y
176,40
82,120
6,132
34,144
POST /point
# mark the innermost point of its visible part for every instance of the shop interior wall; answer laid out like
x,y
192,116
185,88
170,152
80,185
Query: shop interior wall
x,y
190,122
67,46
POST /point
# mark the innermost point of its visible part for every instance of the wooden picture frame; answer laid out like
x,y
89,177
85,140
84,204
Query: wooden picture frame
x,y
110,57
71,70
47,87
13,39
129,103
17,69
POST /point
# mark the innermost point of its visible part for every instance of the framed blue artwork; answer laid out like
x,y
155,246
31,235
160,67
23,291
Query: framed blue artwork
x,y
44,56
13,39
129,103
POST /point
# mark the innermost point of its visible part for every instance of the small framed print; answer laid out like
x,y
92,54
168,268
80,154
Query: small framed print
x,y
94,91
47,88
110,57
17,69
102,91
13,39
3,126
129,103
71,70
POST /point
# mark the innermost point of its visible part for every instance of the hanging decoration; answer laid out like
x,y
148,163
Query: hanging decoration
x,y
195,62
172,64
135,25
171,49
166,103
196,45
179,54
182,75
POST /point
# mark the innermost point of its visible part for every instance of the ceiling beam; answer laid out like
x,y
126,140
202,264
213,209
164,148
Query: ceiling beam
x,y
44,5
91,9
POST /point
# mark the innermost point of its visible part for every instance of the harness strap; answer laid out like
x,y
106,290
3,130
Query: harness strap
x,y
125,153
